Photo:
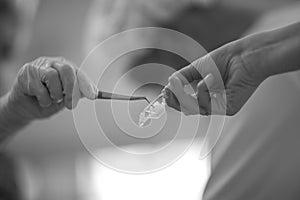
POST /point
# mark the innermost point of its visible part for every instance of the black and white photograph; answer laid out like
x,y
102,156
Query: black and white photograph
x,y
149,99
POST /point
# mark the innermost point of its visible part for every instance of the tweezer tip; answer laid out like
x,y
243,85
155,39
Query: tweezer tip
x,y
147,100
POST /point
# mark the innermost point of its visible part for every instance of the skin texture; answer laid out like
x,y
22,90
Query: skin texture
x,y
233,76
42,88
234,71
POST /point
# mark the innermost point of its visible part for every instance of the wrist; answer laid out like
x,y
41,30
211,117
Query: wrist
x,y
257,52
10,117
273,52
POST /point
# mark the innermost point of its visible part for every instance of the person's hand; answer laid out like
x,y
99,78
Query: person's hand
x,y
45,86
231,75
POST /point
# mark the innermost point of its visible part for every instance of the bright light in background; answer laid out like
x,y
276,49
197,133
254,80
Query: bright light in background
x,y
185,179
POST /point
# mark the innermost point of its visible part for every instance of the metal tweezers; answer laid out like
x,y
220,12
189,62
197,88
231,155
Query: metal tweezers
x,y
152,102
114,96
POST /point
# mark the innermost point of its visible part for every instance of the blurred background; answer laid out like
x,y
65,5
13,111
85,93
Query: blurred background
x,y
47,158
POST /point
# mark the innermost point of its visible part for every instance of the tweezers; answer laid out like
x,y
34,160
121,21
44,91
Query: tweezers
x,y
152,102
115,96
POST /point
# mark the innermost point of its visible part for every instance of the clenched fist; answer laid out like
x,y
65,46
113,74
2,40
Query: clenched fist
x,y
46,85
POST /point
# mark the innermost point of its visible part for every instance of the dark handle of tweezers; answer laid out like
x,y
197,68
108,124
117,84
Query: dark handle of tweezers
x,y
114,96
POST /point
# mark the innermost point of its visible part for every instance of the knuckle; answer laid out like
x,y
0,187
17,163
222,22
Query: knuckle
x,y
23,70
39,60
60,58
26,68
26,65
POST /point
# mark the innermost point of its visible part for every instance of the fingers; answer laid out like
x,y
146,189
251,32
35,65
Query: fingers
x,y
55,81
51,81
67,77
206,65
42,96
75,84
177,81
185,102
203,95
196,70
203,67
182,78
178,99
171,99
33,87
50,78
188,74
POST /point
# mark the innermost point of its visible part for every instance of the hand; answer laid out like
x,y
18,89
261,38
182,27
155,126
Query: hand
x,y
45,86
231,75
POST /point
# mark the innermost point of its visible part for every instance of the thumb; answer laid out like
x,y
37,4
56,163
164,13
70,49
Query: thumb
x,y
86,86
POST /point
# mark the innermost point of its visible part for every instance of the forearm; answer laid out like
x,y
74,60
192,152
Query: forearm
x,y
10,120
276,51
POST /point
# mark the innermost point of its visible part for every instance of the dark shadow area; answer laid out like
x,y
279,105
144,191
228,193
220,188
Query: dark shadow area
x,y
210,27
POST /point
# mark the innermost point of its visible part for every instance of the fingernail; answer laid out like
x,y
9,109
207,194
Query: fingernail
x,y
60,100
